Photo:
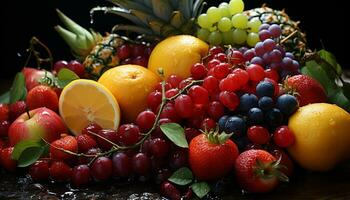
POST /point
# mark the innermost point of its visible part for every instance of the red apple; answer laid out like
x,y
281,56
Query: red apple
x,y
41,123
33,76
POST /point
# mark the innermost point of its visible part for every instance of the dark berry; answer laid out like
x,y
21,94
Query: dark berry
x,y
265,103
265,88
81,176
287,104
255,116
222,122
235,125
274,117
247,101
141,164
121,165
159,147
102,168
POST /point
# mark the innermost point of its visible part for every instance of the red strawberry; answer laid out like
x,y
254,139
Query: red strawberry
x,y
6,161
85,142
68,143
39,170
308,89
211,157
258,171
16,109
42,96
4,112
60,171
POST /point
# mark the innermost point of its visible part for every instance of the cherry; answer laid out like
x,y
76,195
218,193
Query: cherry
x,y
170,112
60,171
198,71
4,127
221,57
93,127
190,133
229,99
215,110
86,160
159,147
172,92
283,137
121,165
221,70
59,65
128,134
178,159
174,80
158,133
208,124
162,175
141,164
195,121
211,84
185,82
235,57
198,111
154,99
242,76
213,63
215,50
77,68
39,170
170,191
258,135
102,168
184,106
137,50
256,72
85,142
145,120
167,86
140,60
81,176
124,51
198,94
229,84
127,61
272,74
108,134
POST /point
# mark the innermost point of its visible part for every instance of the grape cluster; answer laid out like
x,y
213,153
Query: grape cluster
x,y
227,25
271,54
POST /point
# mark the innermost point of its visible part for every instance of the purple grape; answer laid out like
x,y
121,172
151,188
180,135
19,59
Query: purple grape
x,y
269,44
295,65
259,49
275,66
266,58
275,56
243,49
264,34
249,54
264,27
275,30
289,55
257,60
281,49
287,63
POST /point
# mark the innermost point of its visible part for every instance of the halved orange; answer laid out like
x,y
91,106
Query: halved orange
x,y
85,101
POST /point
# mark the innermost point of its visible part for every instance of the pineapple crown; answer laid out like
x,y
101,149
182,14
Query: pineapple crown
x,y
156,19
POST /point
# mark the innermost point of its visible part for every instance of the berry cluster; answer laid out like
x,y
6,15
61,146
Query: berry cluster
x,y
137,54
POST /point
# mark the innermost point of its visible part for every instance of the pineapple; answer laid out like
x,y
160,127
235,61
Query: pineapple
x,y
153,20
296,43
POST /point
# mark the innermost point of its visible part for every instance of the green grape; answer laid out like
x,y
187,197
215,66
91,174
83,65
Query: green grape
x,y
236,6
224,9
224,24
239,36
203,34
214,14
240,20
227,37
203,21
215,38
213,28
252,39
254,25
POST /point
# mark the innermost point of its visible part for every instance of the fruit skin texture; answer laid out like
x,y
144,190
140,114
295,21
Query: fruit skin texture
x,y
43,123
319,128
6,161
68,143
42,96
245,173
4,112
210,161
33,76
16,109
130,85
188,50
309,90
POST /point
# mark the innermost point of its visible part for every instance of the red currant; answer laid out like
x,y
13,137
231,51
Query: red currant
x,y
102,168
124,52
185,82
235,57
93,127
85,142
167,86
256,72
39,170
190,133
158,133
128,134
208,124
145,120
199,95
215,110
241,75
221,57
198,71
272,74
81,176
60,171
258,135
6,159
229,99
172,92
229,84
211,84
215,50
221,70
184,106
174,80
283,137
213,63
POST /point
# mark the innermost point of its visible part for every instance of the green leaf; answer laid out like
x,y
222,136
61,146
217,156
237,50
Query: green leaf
x,y
18,90
223,137
65,76
200,189
27,152
340,99
5,98
182,176
331,60
175,133
346,89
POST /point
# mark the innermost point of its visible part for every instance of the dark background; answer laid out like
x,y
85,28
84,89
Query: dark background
x,y
20,20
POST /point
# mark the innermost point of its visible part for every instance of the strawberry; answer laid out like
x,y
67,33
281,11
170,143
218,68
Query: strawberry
x,y
4,112
6,161
16,109
212,155
42,96
4,127
85,142
308,89
257,171
60,171
68,143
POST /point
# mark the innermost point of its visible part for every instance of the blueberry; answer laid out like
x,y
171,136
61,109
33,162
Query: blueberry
x,y
265,88
274,117
247,101
242,143
235,125
287,104
222,122
255,116
265,103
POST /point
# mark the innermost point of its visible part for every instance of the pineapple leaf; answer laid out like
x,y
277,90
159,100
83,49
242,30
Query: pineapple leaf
x,y
120,12
144,17
188,27
174,3
176,19
197,8
184,9
190,6
132,5
166,30
148,3
162,9
132,28
156,27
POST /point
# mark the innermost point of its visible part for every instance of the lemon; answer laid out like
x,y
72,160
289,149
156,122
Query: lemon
x,y
85,101
322,136
177,54
130,85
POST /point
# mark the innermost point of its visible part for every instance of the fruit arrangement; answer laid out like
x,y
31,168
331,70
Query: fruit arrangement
x,y
194,98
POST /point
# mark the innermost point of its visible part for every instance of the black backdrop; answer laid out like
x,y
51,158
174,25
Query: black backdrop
x,y
20,20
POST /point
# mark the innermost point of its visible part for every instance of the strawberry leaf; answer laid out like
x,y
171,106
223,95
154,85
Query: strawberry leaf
x,y
18,90
175,133
200,189
182,176
5,98
330,59
27,152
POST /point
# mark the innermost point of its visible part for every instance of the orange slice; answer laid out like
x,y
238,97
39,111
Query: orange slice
x,y
85,101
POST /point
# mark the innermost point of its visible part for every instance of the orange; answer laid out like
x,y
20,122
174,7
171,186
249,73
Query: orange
x,y
176,55
130,85
85,101
322,136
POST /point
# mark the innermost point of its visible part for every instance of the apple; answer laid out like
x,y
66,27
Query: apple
x,y
36,124
33,76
